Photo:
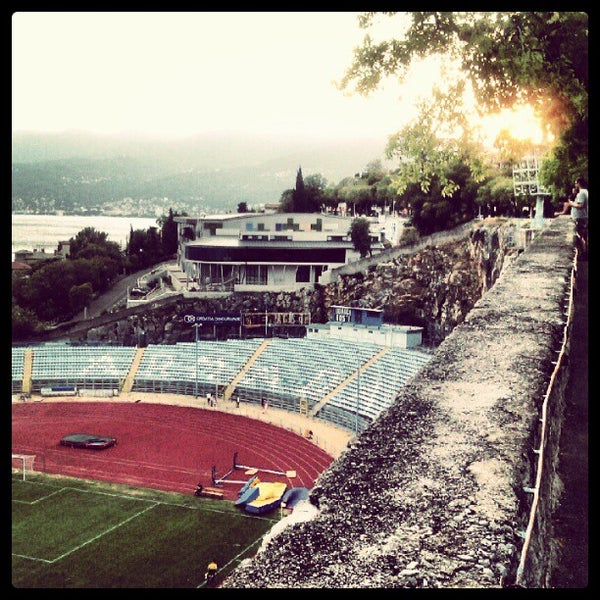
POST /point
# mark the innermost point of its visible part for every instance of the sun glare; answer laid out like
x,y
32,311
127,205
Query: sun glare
x,y
520,122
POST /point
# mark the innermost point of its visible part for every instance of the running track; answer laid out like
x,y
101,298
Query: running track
x,y
162,446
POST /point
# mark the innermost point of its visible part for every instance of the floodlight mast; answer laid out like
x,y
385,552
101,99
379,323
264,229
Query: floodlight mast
x,y
196,325
525,183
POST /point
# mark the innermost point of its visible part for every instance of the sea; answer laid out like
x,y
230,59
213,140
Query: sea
x,y
37,232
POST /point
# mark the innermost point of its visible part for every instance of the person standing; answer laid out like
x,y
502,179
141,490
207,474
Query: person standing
x,y
579,213
211,571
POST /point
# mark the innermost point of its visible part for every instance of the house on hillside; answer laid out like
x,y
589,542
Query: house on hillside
x,y
35,256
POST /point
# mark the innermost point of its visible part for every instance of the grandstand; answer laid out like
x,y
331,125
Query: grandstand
x,y
87,367
342,382
18,369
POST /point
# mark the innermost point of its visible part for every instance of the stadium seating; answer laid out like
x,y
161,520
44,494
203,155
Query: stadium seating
x,y
18,367
294,374
91,367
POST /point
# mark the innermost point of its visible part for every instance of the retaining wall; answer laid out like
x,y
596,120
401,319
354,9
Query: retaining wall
x,y
454,485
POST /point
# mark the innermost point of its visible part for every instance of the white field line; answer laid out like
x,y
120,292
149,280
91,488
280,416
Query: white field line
x,y
235,558
40,499
154,503
145,510
51,561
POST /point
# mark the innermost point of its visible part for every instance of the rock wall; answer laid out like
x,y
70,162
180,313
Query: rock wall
x,y
434,285
438,492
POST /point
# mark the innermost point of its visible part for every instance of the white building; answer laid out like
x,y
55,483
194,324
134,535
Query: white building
x,y
269,251
358,324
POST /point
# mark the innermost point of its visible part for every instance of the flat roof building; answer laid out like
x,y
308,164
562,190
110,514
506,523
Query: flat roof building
x,y
265,251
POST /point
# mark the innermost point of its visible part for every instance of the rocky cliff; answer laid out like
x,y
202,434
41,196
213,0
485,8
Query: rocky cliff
x,y
434,286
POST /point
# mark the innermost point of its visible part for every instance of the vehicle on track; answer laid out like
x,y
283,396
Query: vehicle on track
x,y
89,441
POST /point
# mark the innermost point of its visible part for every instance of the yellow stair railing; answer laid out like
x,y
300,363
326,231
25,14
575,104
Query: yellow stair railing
x,y
317,407
27,371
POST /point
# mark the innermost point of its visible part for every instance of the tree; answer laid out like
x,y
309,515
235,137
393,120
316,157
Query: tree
x,y
359,234
80,296
168,234
144,248
24,322
242,207
299,195
98,240
538,58
314,186
286,202
506,58
426,150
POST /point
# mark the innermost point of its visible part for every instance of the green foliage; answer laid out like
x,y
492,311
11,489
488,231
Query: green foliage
x,y
168,234
566,161
286,202
427,150
90,242
410,235
80,296
496,197
359,234
58,289
24,322
144,248
530,57
507,58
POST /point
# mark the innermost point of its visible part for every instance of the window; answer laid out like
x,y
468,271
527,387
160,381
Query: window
x,y
256,274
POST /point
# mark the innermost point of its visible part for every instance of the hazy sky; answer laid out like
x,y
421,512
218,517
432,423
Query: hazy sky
x,y
180,73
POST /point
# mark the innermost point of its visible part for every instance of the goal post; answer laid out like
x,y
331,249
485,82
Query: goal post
x,y
22,465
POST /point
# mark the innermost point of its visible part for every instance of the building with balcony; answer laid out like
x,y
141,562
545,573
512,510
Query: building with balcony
x,y
269,251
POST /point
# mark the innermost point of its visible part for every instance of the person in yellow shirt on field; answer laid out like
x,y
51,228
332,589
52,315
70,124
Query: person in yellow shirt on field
x,y
211,571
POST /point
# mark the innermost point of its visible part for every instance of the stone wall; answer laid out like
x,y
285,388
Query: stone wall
x,y
438,491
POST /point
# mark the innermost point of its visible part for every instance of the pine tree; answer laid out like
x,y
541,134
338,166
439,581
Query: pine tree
x,y
299,195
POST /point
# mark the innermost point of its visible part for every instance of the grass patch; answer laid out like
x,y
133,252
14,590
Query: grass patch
x,y
70,533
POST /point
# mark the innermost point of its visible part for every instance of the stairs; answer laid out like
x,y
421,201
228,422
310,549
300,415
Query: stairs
x,y
27,371
137,359
234,382
317,407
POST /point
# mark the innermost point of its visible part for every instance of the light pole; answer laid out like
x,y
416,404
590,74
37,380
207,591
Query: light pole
x,y
357,400
196,325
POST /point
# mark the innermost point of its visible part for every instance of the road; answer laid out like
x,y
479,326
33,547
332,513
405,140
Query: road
x,y
116,293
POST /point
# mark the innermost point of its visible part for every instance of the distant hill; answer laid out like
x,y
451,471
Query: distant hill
x,y
70,170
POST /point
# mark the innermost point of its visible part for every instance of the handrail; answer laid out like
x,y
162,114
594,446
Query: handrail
x,y
540,461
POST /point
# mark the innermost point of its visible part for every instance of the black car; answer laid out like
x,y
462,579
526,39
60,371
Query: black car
x,y
86,440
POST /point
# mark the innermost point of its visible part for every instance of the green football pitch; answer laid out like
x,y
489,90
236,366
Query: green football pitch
x,y
70,533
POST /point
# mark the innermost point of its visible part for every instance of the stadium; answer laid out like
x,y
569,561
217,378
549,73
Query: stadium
x,y
441,473
201,414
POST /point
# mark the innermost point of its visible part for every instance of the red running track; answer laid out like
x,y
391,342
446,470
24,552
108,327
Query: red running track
x,y
162,446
